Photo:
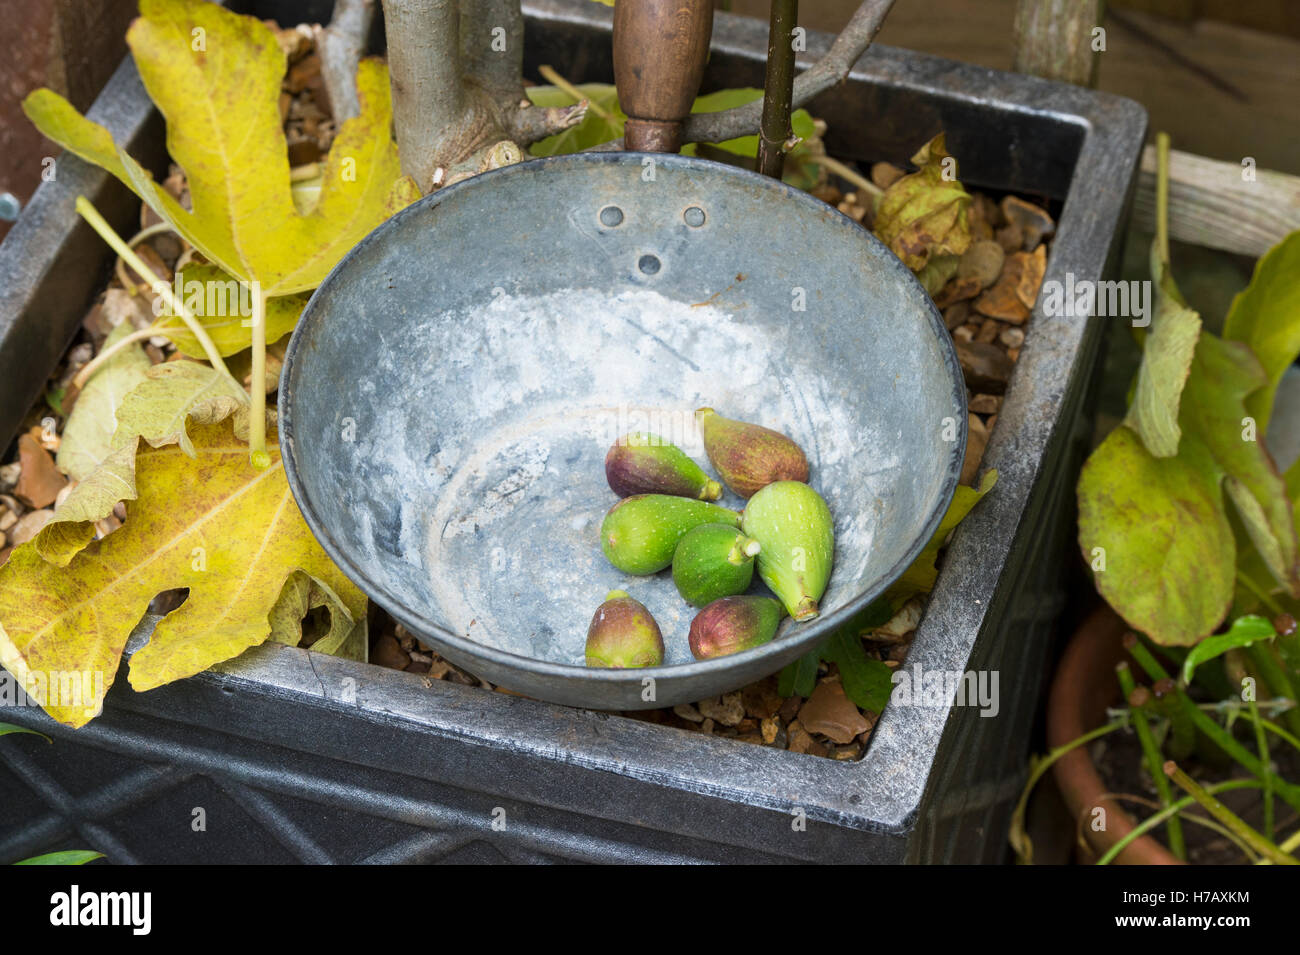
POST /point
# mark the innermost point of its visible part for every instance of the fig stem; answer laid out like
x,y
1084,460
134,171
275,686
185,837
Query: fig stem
x,y
745,548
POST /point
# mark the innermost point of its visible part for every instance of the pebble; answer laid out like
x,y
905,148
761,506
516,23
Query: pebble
x,y
727,710
986,404
1012,337
982,262
40,482
687,711
761,699
985,367
832,714
988,331
386,652
769,728
977,439
29,525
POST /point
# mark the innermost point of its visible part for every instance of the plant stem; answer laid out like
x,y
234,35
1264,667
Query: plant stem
x,y
849,174
1260,594
1278,731
97,222
92,366
549,74
1149,823
1181,731
778,88
1018,837
1261,744
1289,792
1279,685
257,414
1137,698
829,71
1162,200
1226,816
120,267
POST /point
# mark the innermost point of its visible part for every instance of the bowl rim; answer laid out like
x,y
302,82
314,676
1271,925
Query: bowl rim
x,y
808,634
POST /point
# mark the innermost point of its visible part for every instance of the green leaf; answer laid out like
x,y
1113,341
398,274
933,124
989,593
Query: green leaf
x,y
1266,316
7,728
1155,532
1213,413
800,677
921,576
592,131
216,300
69,857
1243,632
1167,355
596,129
89,428
866,682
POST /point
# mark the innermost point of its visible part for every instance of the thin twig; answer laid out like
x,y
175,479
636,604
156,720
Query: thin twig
x,y
1226,816
120,267
1138,697
341,45
1150,822
825,73
89,368
97,222
549,74
848,174
778,88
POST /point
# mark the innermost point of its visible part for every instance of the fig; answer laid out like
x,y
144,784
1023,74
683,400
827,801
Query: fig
x,y
641,463
794,525
731,624
623,634
748,456
640,533
712,561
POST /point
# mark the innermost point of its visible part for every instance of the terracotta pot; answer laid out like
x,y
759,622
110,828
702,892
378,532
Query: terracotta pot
x,y
1083,687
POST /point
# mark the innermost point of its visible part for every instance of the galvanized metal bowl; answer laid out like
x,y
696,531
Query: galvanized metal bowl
x,y
451,390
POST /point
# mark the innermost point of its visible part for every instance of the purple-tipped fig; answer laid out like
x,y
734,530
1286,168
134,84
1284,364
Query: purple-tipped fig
x,y
749,457
641,463
731,624
623,634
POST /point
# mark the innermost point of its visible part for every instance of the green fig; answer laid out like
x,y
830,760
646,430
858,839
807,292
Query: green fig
x,y
794,525
641,463
623,634
640,533
731,624
748,456
712,561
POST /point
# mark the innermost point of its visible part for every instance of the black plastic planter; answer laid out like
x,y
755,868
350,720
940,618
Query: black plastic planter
x,y
293,755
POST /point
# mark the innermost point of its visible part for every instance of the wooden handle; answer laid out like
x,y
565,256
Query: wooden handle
x,y
660,47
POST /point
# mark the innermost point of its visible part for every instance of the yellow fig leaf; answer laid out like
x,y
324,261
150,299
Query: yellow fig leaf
x,y
156,409
215,76
920,577
93,419
223,306
171,394
302,594
214,524
924,213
